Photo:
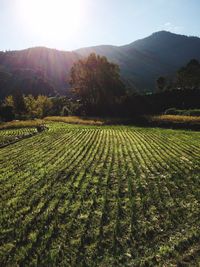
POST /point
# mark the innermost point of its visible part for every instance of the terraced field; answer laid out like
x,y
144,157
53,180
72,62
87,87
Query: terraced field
x,y
9,136
101,196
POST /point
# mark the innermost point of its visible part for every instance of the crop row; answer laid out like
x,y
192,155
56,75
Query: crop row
x,y
100,196
13,135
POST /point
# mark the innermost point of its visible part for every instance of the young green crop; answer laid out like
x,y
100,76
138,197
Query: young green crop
x,y
100,196
9,136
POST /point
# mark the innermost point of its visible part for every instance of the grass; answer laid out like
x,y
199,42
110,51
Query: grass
x,y
96,121
76,120
183,112
169,121
176,119
79,195
21,124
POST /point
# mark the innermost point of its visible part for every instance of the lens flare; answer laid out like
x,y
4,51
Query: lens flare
x,y
51,18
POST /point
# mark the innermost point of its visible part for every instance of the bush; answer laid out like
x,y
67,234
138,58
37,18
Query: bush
x,y
181,112
194,112
66,111
41,128
6,113
171,111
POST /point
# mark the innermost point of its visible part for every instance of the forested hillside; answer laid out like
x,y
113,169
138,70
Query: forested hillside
x,y
46,71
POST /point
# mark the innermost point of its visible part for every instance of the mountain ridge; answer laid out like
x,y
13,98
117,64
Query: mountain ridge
x,y
141,62
146,51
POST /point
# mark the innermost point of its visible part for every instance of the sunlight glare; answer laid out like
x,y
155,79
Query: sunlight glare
x,y
51,18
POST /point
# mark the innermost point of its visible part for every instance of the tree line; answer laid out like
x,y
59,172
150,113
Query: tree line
x,y
187,77
97,90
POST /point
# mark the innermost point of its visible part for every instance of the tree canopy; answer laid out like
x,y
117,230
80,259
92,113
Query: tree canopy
x,y
96,82
161,83
188,77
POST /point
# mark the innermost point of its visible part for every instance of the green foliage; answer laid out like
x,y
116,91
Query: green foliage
x,y
29,81
140,62
38,107
96,82
189,112
6,113
65,111
171,111
18,102
10,136
100,196
43,105
31,106
161,83
9,101
62,106
189,76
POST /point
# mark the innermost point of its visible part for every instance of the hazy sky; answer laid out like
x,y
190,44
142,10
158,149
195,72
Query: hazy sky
x,y
71,24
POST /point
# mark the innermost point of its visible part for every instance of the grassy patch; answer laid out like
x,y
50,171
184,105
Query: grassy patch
x,y
76,120
176,119
166,121
183,112
21,124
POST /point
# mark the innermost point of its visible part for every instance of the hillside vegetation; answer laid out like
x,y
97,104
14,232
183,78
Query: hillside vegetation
x,y
46,71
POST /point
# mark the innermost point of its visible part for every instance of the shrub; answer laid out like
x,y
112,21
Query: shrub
x,y
66,111
41,128
6,113
171,111
182,112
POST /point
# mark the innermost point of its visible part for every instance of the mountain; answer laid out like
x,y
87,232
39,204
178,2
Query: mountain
x,y
33,64
141,62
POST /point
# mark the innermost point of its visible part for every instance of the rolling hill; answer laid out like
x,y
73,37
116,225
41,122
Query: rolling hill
x,y
141,62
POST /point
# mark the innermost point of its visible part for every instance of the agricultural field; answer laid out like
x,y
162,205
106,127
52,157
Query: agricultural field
x,y
77,195
9,136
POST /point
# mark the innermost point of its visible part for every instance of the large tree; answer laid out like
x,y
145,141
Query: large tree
x,y
161,84
18,101
188,77
39,106
96,82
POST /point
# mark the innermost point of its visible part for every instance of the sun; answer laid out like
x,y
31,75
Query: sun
x,y
51,18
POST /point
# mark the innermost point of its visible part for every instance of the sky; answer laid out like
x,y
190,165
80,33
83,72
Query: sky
x,y
72,24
